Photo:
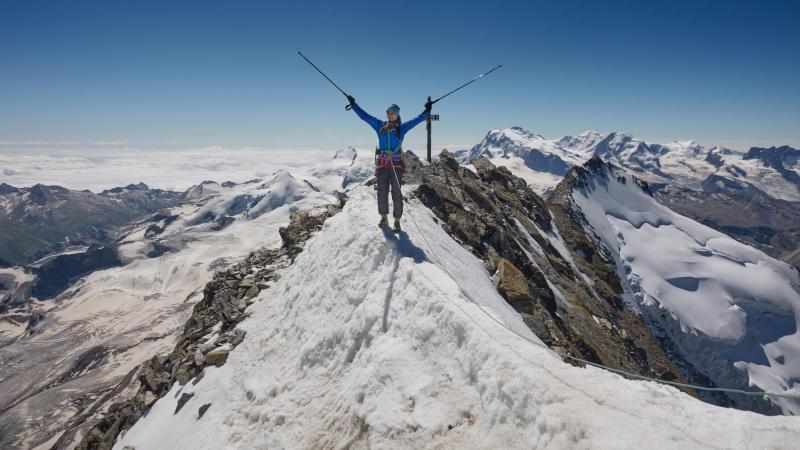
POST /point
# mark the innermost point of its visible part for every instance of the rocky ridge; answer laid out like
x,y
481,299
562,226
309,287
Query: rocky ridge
x,y
208,336
576,309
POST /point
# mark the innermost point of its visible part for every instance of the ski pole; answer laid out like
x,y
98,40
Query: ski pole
x,y
326,77
467,83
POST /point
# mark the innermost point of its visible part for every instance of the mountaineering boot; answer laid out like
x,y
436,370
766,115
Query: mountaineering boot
x,y
396,225
384,223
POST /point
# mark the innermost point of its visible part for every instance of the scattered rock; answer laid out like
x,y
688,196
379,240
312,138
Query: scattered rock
x,y
217,357
202,410
511,282
185,397
198,377
252,292
149,398
199,358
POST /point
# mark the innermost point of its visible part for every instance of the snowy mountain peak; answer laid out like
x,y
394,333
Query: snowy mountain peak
x,y
514,141
590,134
7,189
203,190
620,145
597,171
521,131
685,164
519,146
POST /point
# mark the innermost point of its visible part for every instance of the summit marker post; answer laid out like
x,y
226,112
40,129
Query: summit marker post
x,y
428,126
436,116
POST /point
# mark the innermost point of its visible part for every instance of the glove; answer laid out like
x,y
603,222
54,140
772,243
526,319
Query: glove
x,y
428,106
351,99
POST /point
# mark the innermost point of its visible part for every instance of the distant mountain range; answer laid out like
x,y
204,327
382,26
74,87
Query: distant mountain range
x,y
774,171
112,298
753,196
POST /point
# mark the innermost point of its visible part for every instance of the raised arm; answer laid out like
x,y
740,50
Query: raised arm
x,y
374,122
406,126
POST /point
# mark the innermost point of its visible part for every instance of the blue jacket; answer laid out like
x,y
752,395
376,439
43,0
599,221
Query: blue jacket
x,y
388,141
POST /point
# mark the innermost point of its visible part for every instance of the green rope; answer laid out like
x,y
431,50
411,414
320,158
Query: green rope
x,y
581,360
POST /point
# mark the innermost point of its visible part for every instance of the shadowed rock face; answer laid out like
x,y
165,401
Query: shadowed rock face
x,y
42,219
783,159
575,308
56,274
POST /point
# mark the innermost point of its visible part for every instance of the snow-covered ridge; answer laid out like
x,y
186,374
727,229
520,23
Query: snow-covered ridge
x,y
111,320
543,161
720,300
387,349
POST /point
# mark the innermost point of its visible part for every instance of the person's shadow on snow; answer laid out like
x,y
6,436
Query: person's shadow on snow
x,y
405,246
405,249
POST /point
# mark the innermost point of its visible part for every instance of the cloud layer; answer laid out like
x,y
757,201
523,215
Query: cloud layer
x,y
102,168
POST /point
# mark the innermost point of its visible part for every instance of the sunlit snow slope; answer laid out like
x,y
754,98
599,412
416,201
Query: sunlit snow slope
x,y
377,341
733,309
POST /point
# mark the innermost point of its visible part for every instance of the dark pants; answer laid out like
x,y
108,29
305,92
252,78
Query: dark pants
x,y
386,179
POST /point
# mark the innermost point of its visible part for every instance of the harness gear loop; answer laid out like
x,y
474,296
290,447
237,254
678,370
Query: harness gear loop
x,y
387,158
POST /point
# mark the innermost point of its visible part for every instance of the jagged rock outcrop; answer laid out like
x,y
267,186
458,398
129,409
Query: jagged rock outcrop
x,y
573,307
210,333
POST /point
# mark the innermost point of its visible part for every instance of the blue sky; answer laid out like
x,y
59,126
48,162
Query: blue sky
x,y
182,74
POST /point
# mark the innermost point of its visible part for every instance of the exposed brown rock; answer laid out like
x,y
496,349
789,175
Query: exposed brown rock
x,y
217,357
511,283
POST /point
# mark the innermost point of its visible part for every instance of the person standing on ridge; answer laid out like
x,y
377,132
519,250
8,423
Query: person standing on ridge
x,y
389,164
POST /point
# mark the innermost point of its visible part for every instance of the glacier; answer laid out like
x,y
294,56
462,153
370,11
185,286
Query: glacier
x,y
723,301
